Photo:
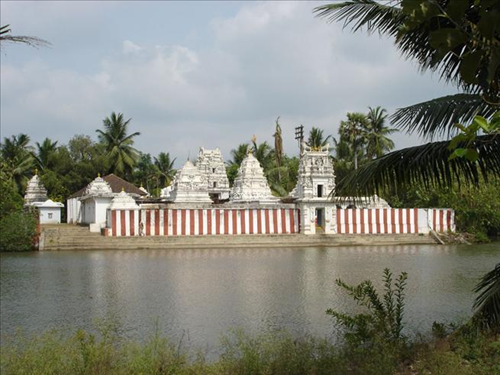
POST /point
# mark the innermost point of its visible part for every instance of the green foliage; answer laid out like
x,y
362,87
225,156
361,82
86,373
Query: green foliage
x,y
17,227
487,303
383,320
18,231
460,40
119,151
361,138
463,144
477,207
316,139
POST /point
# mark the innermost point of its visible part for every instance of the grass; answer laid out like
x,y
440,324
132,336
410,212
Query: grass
x,y
465,351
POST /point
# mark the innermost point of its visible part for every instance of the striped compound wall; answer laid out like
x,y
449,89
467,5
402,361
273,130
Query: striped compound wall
x,y
394,220
194,222
441,219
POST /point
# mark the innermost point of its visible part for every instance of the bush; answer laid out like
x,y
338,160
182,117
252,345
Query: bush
x,y
477,208
17,231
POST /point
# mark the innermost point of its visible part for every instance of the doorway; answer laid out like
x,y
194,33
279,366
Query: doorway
x,y
320,219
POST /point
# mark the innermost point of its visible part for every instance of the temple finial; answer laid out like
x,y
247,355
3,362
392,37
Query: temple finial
x,y
123,189
36,171
254,139
98,175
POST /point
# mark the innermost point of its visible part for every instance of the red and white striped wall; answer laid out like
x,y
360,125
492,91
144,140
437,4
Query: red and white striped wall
x,y
377,220
394,220
441,219
203,221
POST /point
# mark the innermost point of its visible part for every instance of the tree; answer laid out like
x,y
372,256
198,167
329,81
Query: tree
x,y
165,167
29,40
354,131
316,139
460,41
377,141
278,146
17,156
146,172
238,154
487,303
118,145
264,153
44,152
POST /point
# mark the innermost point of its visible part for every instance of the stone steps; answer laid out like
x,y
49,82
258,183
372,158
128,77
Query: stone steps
x,y
69,237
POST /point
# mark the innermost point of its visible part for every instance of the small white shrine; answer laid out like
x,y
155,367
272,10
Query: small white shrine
x,y
49,212
95,202
190,186
251,186
211,164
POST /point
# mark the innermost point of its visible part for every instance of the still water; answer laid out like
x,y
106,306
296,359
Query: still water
x,y
198,295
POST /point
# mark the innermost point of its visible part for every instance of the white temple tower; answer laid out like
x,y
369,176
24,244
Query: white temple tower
x,y
35,191
251,185
211,164
315,187
190,186
95,203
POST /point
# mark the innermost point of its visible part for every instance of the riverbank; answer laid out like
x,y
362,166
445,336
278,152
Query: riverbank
x,y
70,237
466,351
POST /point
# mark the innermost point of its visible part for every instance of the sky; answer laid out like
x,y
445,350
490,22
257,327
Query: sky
x,y
193,74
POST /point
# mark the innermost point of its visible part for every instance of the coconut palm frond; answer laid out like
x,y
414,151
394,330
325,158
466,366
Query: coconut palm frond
x,y
436,117
487,303
29,40
427,164
363,13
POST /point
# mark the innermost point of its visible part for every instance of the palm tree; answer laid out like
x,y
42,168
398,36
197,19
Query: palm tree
x,y
377,142
17,155
29,40
264,154
316,139
238,154
487,303
456,45
165,167
121,155
44,152
278,146
354,132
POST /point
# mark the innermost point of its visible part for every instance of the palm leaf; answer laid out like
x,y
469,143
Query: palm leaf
x,y
435,118
388,18
427,164
29,40
487,303
364,13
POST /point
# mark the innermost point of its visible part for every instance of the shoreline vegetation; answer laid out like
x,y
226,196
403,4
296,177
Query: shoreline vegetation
x,y
373,342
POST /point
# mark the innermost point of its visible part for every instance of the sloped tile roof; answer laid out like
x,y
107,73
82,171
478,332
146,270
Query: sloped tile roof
x,y
116,184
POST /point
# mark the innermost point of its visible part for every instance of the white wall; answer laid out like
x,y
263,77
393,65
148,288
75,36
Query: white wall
x,y
73,211
49,215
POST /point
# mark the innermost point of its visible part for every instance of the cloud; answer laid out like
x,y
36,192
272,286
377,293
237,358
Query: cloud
x,y
266,60
130,47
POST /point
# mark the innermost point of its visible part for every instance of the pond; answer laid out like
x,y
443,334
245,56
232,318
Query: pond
x,y
198,295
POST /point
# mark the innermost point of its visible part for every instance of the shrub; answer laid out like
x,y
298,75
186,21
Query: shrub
x,y
17,231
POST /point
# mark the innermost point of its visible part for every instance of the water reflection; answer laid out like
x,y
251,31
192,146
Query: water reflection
x,y
206,292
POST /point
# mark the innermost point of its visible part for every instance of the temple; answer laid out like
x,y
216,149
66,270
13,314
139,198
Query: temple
x,y
200,201
49,212
251,186
211,165
190,186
